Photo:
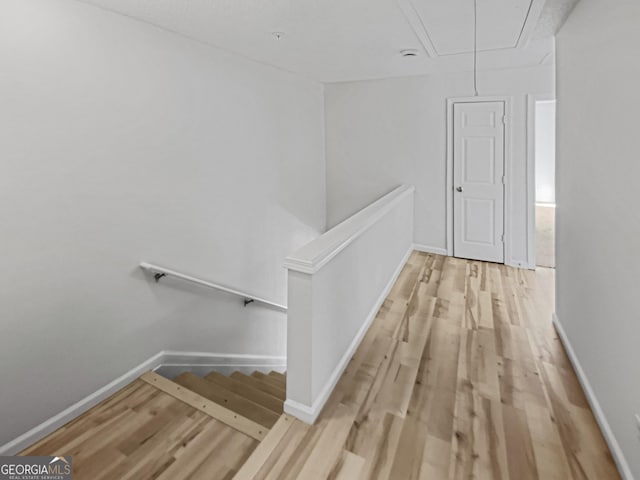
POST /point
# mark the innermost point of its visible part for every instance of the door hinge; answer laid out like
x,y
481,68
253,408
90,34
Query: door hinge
x,y
502,238
504,179
505,119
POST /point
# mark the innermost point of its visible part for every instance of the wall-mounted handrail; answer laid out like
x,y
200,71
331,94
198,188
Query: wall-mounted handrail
x,y
160,272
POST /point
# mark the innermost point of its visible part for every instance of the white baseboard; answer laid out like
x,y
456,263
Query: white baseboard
x,y
309,414
519,264
182,360
428,249
303,412
443,251
172,357
77,409
614,446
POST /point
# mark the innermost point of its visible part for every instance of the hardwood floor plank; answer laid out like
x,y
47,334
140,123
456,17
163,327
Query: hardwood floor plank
x,y
251,468
250,393
439,363
379,446
407,461
348,467
478,361
142,460
216,451
409,276
117,405
228,399
435,458
328,449
520,384
478,442
285,456
225,415
551,462
521,457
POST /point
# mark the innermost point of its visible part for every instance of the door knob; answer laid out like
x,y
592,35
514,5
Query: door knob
x,y
460,189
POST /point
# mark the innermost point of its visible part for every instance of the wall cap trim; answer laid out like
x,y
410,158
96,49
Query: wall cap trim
x,y
314,255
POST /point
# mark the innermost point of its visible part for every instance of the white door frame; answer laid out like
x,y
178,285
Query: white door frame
x,y
508,109
532,99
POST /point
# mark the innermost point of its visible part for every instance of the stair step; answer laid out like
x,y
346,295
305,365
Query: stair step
x,y
203,404
269,379
247,391
228,399
260,385
279,376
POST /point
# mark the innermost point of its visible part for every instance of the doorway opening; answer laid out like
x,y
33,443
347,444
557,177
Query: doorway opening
x,y
545,191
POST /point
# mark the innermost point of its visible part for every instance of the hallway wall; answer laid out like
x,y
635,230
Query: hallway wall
x,y
384,133
545,148
119,143
598,220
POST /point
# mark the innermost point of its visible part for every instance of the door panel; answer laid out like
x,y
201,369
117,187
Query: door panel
x,y
478,158
478,169
479,226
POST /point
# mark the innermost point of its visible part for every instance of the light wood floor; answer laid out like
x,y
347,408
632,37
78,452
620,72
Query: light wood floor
x,y
461,376
144,433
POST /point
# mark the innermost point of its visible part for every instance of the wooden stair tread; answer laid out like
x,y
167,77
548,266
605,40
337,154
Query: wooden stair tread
x,y
260,385
271,380
247,391
279,376
228,399
205,405
142,432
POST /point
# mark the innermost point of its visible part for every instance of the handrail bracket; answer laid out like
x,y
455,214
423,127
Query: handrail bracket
x,y
159,272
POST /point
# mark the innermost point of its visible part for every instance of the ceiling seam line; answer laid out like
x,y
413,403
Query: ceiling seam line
x,y
526,19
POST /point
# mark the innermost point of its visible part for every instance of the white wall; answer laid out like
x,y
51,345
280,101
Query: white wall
x,y
545,145
598,221
337,283
121,142
385,132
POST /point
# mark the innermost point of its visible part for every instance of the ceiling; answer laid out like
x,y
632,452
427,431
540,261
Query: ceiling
x,y
342,40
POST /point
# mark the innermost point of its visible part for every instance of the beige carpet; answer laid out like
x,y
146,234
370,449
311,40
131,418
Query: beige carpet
x,y
545,235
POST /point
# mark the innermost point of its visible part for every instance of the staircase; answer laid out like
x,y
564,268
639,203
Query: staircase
x,y
251,404
261,400
196,427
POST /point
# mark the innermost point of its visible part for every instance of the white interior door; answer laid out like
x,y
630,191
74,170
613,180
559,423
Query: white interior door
x,y
478,181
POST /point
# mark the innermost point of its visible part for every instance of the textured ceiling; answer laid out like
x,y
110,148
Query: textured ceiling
x,y
553,16
342,40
